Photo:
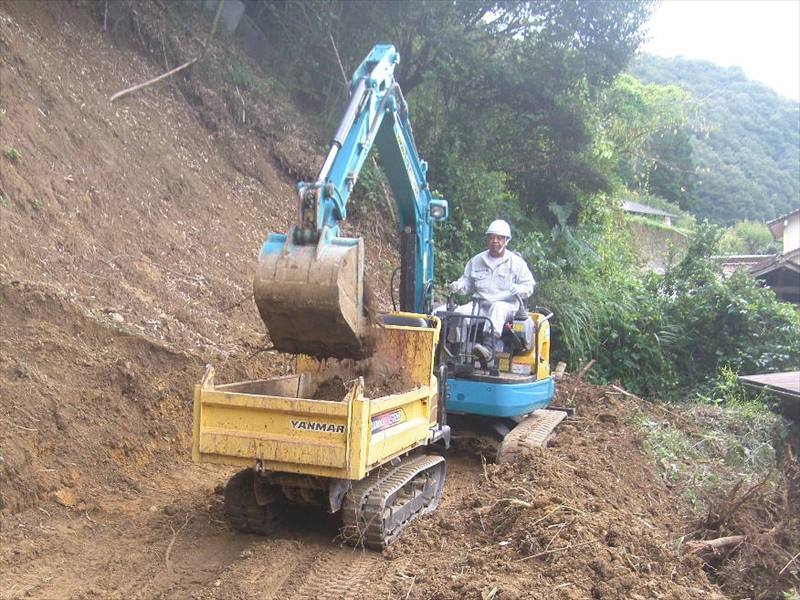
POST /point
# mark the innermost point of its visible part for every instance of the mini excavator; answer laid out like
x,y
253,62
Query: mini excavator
x,y
368,452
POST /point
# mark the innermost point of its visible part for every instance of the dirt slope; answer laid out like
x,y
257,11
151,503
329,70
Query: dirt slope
x,y
128,237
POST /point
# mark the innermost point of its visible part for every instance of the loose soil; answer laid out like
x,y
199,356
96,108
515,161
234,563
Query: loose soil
x,y
129,232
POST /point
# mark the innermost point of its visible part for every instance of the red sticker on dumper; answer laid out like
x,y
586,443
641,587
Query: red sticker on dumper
x,y
388,419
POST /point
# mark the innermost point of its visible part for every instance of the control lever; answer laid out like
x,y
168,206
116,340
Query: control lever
x,y
522,312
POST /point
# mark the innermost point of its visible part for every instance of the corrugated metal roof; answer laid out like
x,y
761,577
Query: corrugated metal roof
x,y
647,210
787,383
786,386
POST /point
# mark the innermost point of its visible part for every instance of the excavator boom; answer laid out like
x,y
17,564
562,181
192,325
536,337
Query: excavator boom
x,y
309,282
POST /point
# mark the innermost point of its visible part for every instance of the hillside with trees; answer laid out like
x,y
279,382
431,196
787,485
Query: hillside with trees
x,y
745,141
129,234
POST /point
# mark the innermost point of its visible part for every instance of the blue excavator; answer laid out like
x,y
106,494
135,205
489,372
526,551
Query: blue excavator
x,y
359,452
309,285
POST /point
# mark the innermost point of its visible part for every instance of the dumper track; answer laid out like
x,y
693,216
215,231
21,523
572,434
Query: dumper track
x,y
242,508
380,506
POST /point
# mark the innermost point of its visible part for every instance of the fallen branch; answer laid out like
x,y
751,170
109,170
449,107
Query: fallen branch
x,y
196,279
152,81
794,558
339,60
636,398
172,542
129,90
699,547
411,587
733,504
584,370
554,550
242,301
19,426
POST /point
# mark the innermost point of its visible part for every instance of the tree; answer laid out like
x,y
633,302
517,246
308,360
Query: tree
x,y
748,151
747,237
642,134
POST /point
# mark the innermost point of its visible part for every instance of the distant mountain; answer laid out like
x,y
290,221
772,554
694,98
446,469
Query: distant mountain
x,y
747,147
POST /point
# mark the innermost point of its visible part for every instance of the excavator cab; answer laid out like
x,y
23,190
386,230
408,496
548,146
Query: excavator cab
x,y
513,380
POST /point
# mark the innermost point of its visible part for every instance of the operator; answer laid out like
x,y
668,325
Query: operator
x,y
495,277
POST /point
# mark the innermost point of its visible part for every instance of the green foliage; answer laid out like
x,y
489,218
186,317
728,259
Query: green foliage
x,y
518,108
661,335
372,193
748,237
499,89
685,222
748,150
233,69
751,432
11,153
641,133
723,440
728,443
606,314
670,448
725,321
477,198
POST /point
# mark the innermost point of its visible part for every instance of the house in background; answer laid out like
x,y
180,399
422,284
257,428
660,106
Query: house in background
x,y
787,228
781,273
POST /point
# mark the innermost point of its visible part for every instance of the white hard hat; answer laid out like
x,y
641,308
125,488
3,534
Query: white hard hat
x,y
499,227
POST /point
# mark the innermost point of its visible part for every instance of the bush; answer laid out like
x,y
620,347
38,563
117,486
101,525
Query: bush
x,y
662,335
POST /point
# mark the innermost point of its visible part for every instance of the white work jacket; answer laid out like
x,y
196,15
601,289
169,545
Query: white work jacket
x,y
509,278
496,288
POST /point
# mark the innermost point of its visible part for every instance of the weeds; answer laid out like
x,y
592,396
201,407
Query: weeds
x,y
727,437
11,153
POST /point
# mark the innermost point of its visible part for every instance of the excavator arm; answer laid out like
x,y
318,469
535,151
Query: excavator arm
x,y
309,282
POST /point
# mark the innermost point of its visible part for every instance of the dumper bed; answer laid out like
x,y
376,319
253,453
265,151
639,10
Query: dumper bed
x,y
302,441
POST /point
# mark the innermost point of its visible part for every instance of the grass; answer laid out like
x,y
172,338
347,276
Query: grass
x,y
717,443
11,153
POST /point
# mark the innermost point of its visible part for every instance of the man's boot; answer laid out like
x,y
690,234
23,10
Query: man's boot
x,y
483,351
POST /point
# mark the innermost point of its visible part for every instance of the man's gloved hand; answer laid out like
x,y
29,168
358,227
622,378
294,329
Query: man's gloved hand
x,y
456,287
515,290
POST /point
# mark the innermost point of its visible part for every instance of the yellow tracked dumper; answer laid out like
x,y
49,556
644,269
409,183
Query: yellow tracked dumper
x,y
361,453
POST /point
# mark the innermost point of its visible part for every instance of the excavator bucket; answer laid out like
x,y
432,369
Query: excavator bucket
x,y
311,297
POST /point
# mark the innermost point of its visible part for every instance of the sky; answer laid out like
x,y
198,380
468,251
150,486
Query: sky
x,y
760,36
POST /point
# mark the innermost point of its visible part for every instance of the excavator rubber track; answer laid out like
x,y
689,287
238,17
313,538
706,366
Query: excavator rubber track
x,y
380,506
534,431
